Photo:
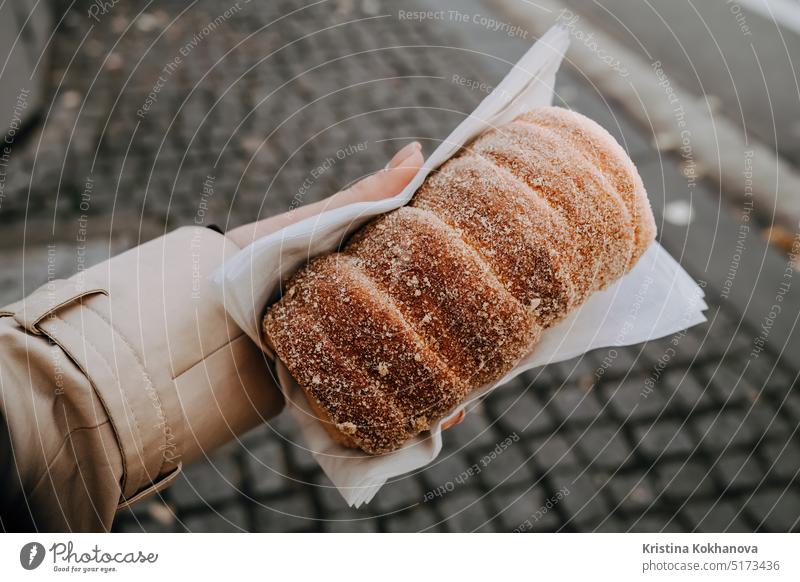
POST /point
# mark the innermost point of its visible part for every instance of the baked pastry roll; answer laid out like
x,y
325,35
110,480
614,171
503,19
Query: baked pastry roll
x,y
437,298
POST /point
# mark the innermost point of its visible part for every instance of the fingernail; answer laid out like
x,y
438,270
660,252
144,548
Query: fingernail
x,y
403,155
453,421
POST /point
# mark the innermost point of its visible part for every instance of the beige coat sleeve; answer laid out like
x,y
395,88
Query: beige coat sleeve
x,y
113,379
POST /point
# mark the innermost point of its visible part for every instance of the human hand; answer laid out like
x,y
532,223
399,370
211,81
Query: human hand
x,y
382,184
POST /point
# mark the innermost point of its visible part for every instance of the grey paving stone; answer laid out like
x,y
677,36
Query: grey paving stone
x,y
474,431
776,510
732,427
605,446
585,504
397,494
791,403
715,517
514,506
782,458
292,513
740,470
729,383
131,525
417,519
328,496
652,522
463,510
266,467
665,437
581,371
576,405
302,459
615,363
550,521
510,467
519,408
689,390
231,519
610,525
629,398
682,479
676,349
767,375
632,491
206,482
347,523
445,470
554,452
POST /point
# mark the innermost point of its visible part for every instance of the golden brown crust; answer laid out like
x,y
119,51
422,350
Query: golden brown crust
x,y
337,434
514,232
599,220
437,298
446,293
596,145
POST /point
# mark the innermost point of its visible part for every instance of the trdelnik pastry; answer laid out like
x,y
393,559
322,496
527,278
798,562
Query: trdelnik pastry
x,y
439,297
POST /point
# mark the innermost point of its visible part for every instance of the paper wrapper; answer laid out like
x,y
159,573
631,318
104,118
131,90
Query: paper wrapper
x,y
657,298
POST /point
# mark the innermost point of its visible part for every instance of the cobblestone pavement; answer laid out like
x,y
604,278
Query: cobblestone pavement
x,y
257,103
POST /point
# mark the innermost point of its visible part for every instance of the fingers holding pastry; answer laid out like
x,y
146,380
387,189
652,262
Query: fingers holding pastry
x,y
455,421
385,183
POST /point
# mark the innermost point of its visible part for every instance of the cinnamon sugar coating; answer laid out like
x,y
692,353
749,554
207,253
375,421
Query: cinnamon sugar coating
x,y
435,299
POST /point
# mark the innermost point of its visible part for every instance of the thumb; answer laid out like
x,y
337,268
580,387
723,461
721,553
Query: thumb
x,y
382,184
386,183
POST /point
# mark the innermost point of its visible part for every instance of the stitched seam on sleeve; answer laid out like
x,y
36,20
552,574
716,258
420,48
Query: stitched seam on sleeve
x,y
151,388
122,392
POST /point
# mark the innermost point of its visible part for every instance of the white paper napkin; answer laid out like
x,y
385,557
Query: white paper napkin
x,y
657,298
